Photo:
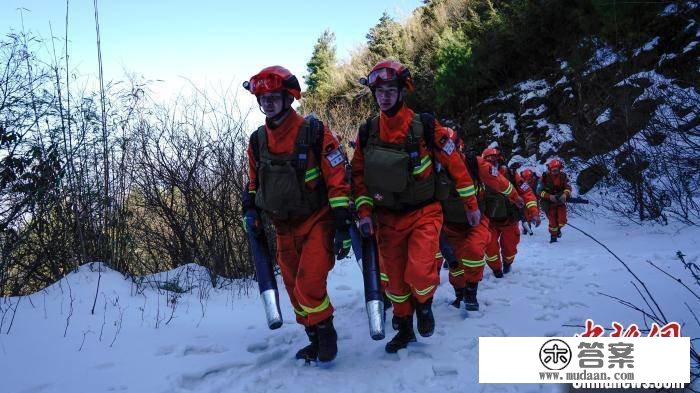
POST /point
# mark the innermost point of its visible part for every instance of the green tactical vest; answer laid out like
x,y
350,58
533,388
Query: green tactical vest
x,y
497,206
282,189
453,210
548,185
389,169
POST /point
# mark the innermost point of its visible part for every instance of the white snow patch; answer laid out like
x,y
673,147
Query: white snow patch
x,y
662,86
666,56
500,124
669,10
535,111
563,64
647,47
605,116
532,89
561,81
556,136
222,344
603,57
530,163
690,46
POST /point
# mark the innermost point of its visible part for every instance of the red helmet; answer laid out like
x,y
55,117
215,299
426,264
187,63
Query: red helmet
x,y
491,151
273,79
526,174
387,71
554,164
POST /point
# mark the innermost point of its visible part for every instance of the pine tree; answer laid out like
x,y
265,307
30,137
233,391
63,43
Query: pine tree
x,y
386,38
320,66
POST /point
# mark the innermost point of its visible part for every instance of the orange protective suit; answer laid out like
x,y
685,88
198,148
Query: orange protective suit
x,y
305,244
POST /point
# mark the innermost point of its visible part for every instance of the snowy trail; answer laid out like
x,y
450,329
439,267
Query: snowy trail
x,y
223,345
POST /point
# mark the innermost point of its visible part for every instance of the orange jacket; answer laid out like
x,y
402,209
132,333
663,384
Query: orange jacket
x,y
282,140
558,181
394,130
495,180
526,192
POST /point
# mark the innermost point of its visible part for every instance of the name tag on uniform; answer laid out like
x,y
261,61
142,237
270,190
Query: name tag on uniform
x,y
494,171
524,187
334,158
448,147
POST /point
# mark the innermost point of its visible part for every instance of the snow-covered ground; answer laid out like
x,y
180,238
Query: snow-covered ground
x,y
217,340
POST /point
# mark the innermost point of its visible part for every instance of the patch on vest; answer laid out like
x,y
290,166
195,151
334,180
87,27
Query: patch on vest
x,y
335,157
494,171
449,147
524,187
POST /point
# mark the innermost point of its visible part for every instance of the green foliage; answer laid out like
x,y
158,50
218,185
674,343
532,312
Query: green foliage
x,y
454,66
321,64
462,51
386,39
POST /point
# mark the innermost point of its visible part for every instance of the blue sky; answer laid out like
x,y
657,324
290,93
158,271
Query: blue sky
x,y
212,42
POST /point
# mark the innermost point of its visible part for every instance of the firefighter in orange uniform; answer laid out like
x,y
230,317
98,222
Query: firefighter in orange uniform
x,y
504,216
394,178
554,191
297,176
469,243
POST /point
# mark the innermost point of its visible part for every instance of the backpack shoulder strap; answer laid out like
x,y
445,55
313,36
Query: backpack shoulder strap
x,y
428,120
369,129
310,137
258,142
472,165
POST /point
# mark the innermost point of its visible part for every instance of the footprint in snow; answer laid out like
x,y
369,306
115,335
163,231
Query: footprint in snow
x,y
197,350
444,370
166,350
343,287
258,347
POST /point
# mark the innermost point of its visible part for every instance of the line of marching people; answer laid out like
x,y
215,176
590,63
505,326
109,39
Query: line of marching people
x,y
415,185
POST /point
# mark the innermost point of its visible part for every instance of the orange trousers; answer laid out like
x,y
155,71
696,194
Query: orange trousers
x,y
305,256
469,245
503,245
408,243
556,214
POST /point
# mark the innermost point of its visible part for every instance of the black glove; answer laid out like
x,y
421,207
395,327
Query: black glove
x,y
342,242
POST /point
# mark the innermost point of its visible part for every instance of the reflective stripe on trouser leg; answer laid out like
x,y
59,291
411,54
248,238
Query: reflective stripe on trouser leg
x,y
493,249
423,244
510,237
469,245
393,246
288,260
552,217
561,216
316,260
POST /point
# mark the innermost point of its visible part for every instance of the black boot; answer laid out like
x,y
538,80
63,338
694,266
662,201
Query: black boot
x,y
470,302
553,239
404,336
309,352
426,321
506,267
498,273
559,233
459,294
327,340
